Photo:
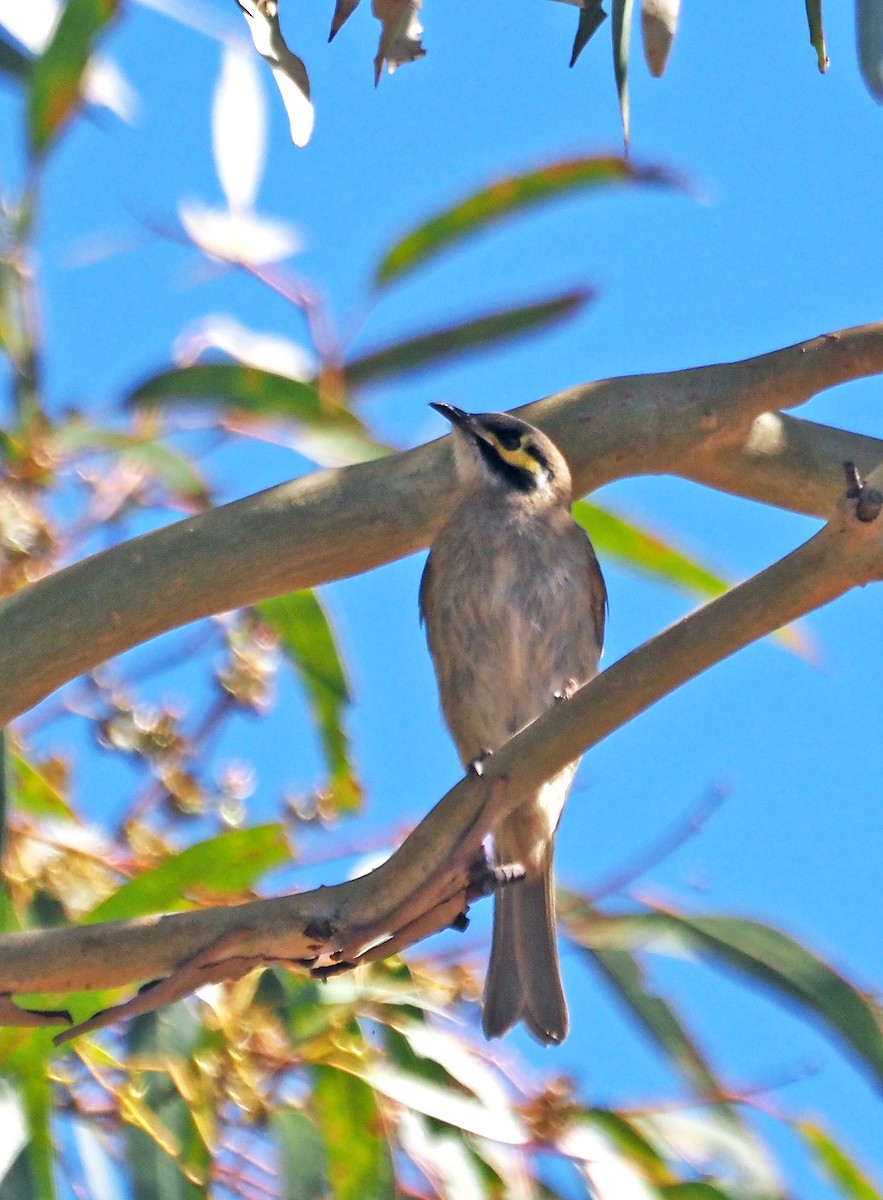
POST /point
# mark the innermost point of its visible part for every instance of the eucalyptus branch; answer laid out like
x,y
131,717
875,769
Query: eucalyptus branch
x,y
432,876
713,424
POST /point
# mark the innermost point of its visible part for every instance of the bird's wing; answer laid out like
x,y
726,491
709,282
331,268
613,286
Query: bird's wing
x,y
423,601
597,589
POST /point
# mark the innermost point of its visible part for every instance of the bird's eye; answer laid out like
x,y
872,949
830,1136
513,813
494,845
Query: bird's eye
x,y
509,439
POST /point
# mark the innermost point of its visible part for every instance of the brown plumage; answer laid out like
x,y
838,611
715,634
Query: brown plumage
x,y
514,604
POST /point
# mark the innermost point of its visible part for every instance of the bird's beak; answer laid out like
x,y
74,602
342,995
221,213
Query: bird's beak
x,y
468,422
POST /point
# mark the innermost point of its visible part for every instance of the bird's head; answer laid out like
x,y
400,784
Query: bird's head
x,y
496,450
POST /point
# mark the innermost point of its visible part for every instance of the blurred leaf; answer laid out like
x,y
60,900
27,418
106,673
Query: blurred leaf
x,y
657,1017
591,17
56,77
659,23
630,1142
14,60
359,1159
615,537
34,791
869,38
239,126
763,955
399,35
228,864
817,32
242,389
622,30
508,196
708,1142
343,10
164,1152
238,235
301,1155
835,1164
306,636
173,470
289,72
452,341
25,1066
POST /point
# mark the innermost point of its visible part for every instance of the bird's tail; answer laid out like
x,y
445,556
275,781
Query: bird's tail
x,y
524,979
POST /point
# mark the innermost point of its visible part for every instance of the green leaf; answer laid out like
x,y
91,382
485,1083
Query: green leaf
x,y
359,1159
622,30
834,1163
33,791
25,1066
817,32
591,17
306,636
763,955
503,199
54,91
242,389
630,1142
657,1017
622,540
300,1152
452,341
227,864
164,1152
628,544
14,60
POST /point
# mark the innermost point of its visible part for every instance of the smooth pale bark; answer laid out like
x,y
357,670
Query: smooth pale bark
x,y
705,424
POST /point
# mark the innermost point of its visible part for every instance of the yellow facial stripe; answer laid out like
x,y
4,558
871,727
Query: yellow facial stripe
x,y
519,457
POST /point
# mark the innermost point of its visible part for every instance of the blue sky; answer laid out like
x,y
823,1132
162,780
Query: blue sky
x,y
780,240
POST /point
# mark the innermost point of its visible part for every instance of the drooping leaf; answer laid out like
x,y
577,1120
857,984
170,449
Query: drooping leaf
x,y
307,639
343,10
289,72
621,1131
503,199
657,1017
591,17
227,864
869,38
621,25
56,77
834,1163
762,955
301,1154
359,1158
817,32
659,23
239,127
452,341
399,34
631,546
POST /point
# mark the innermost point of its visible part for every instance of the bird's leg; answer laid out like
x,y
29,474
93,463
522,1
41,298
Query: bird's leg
x,y
486,878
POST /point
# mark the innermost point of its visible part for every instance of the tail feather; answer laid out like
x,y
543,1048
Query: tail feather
x,y
524,978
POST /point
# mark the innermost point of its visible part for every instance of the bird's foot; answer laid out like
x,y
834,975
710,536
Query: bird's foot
x,y
476,766
487,878
566,691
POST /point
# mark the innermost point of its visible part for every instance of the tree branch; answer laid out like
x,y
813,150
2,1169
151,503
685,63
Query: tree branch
x,y
700,423
431,877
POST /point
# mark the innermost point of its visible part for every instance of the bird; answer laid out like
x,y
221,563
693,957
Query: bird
x,y
514,605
